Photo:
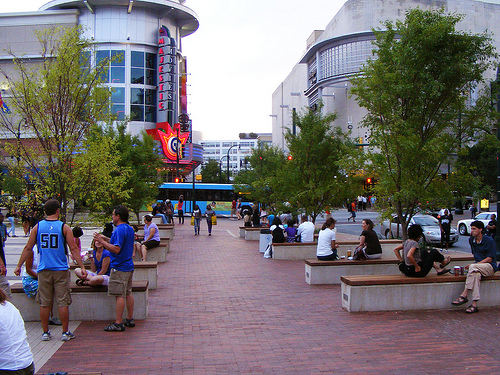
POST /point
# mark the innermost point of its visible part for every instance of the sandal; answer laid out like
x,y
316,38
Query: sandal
x,y
443,271
472,310
460,301
80,282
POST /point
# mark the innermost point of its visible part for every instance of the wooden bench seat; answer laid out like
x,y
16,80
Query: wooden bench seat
x,y
329,272
147,270
307,250
398,292
89,303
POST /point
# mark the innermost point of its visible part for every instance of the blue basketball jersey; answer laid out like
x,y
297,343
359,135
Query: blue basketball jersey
x,y
51,246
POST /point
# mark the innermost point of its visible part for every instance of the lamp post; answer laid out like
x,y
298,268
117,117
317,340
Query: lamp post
x,y
220,168
228,160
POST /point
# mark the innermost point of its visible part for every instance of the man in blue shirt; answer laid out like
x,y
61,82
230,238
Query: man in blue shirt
x,y
121,247
51,237
484,251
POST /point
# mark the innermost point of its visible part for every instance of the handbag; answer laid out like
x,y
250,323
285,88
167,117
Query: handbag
x,y
192,220
214,220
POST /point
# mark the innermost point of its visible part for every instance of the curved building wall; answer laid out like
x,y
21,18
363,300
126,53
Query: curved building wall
x,y
345,44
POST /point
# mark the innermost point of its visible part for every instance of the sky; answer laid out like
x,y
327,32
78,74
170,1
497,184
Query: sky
x,y
237,58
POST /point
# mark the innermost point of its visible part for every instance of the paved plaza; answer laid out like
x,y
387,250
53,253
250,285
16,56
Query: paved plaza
x,y
221,308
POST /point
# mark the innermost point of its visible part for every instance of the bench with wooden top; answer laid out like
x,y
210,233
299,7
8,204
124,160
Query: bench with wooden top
x,y
329,272
89,303
307,250
156,254
147,270
253,234
399,292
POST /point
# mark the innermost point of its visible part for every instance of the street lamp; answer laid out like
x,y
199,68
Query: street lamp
x,y
228,160
220,168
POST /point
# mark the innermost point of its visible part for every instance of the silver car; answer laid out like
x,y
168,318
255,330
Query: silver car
x,y
430,225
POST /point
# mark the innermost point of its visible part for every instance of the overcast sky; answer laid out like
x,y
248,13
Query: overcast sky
x,y
240,54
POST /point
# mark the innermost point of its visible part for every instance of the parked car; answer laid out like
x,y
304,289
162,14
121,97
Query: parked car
x,y
463,226
429,224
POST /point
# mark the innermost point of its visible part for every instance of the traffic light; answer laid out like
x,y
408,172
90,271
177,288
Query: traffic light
x,y
368,181
289,157
177,180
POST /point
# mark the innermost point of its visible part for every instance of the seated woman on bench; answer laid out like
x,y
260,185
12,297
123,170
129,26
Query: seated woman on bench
x,y
327,248
151,236
99,264
418,263
369,245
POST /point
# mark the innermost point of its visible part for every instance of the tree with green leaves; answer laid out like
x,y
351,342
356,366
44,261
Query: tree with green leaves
x,y
57,100
414,91
211,172
318,173
139,164
259,182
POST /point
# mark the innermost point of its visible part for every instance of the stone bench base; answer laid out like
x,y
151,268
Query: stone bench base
x,y
156,254
330,272
147,271
252,234
307,250
89,303
398,292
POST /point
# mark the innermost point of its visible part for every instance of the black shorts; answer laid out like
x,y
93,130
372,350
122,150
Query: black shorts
x,y
151,243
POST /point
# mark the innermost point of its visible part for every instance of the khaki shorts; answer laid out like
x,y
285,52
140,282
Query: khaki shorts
x,y
53,285
120,283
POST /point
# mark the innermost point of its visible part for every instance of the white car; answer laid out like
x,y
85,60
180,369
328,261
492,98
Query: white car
x,y
463,226
430,225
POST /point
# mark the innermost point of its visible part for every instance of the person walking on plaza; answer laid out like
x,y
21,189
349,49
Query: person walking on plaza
x,y
51,237
484,251
352,212
233,208
11,216
209,213
197,219
121,247
445,225
15,352
473,210
180,210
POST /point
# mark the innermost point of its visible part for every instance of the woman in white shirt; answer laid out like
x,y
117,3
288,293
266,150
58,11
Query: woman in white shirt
x,y
15,352
327,249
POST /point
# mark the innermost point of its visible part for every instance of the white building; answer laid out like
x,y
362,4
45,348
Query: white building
x,y
237,151
334,54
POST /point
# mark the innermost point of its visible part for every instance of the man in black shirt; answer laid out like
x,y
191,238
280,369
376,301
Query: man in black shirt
x,y
492,227
445,225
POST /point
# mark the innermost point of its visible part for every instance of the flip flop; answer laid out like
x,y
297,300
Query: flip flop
x,y
472,310
80,282
443,271
460,301
446,261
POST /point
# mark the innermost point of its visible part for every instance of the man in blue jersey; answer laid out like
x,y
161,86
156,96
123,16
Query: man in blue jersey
x,y
121,247
51,237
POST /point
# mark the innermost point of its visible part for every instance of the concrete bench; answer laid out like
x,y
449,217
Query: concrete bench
x,y
89,303
242,232
398,292
329,272
307,250
142,271
156,254
252,234
166,230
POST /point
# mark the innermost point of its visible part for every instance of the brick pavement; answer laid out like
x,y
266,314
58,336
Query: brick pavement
x,y
221,308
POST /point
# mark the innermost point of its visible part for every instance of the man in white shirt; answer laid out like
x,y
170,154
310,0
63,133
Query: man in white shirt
x,y
306,230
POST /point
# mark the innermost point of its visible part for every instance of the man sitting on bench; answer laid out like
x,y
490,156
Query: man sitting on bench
x,y
484,251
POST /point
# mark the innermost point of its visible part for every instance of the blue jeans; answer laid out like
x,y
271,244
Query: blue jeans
x,y
163,218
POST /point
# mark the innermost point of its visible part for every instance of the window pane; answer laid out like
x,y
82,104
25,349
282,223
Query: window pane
x,y
151,77
137,75
137,113
150,113
137,59
117,58
117,75
104,75
119,111
137,96
150,60
118,95
150,97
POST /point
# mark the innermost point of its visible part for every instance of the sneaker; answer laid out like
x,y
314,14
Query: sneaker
x,y
129,322
54,321
46,336
66,336
115,327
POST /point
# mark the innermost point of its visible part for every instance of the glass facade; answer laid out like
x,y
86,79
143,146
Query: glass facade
x,y
141,85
